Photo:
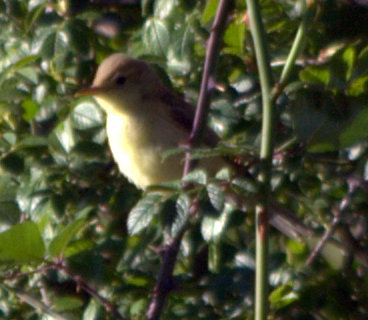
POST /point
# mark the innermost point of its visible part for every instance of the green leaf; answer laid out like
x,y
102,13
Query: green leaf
x,y
54,44
245,185
164,8
209,11
356,130
216,196
92,311
349,57
67,303
213,226
30,109
156,36
315,74
65,136
86,115
182,212
32,142
283,296
143,212
64,236
22,244
358,86
196,176
234,37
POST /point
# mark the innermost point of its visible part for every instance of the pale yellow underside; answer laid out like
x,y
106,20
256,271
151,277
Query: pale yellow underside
x,y
138,144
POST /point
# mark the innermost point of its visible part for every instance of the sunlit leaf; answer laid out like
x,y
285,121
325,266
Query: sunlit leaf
x,y
156,36
58,245
22,243
143,212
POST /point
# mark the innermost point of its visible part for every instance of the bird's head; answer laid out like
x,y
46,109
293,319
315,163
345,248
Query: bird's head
x,y
121,82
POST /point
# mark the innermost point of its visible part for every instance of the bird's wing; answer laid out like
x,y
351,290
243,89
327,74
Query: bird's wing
x,y
183,113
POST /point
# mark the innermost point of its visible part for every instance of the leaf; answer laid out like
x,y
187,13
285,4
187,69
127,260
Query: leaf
x,y
164,8
216,196
212,227
349,57
86,115
22,243
156,36
356,130
143,212
245,185
283,296
209,11
58,245
182,213
196,176
32,142
234,37
65,136
30,109
65,303
315,74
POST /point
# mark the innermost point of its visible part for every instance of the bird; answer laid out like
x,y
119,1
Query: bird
x,y
145,119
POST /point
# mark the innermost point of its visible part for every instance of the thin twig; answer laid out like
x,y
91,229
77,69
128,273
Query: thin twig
x,y
344,205
165,281
109,306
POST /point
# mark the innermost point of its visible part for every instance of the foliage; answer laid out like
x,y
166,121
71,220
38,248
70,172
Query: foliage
x,y
75,232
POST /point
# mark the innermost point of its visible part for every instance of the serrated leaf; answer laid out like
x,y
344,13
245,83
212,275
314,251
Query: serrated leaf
x,y
65,135
216,196
182,213
212,227
87,115
196,176
143,212
156,36
245,185
63,237
22,244
183,205
163,8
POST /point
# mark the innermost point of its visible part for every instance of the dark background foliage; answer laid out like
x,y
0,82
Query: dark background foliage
x,y
69,238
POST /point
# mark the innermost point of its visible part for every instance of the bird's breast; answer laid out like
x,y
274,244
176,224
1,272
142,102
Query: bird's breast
x,y
138,144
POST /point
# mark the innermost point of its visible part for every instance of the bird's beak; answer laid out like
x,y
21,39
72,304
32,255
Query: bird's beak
x,y
91,91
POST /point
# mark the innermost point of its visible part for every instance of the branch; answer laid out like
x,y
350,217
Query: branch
x,y
208,78
344,205
109,306
165,282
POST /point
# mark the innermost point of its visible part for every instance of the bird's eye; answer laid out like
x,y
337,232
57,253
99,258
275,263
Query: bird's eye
x,y
120,80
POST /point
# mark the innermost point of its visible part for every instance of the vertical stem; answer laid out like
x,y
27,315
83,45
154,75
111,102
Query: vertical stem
x,y
262,209
299,40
